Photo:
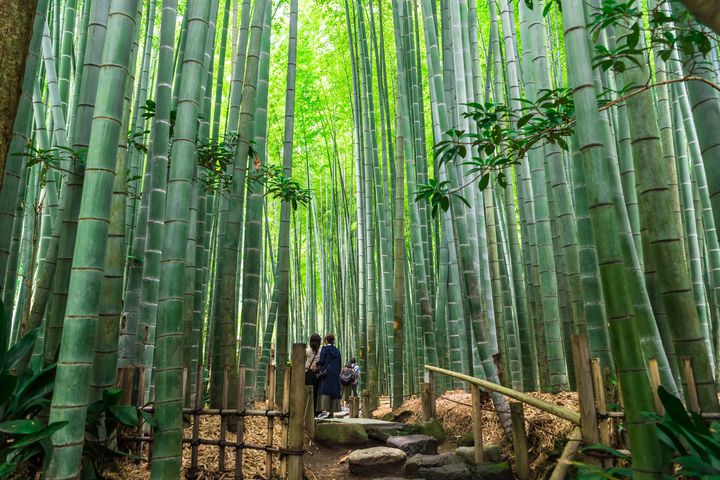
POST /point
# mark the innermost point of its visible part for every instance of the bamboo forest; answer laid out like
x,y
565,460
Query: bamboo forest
x,y
499,218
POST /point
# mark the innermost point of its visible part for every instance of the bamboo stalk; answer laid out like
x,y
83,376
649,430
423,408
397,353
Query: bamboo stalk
x,y
562,412
286,410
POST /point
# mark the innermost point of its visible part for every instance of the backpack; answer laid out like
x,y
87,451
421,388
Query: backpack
x,y
347,375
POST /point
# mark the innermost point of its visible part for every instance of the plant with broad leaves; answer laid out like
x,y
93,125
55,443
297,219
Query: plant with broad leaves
x,y
106,419
217,158
278,185
667,32
438,195
62,159
503,137
691,447
135,140
25,392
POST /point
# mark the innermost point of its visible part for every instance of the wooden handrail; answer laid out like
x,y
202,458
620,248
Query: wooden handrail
x,y
558,411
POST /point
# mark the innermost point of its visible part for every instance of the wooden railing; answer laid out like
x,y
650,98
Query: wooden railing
x,y
291,416
592,423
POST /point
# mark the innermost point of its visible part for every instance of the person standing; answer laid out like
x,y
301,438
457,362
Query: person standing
x,y
347,377
356,380
329,374
312,356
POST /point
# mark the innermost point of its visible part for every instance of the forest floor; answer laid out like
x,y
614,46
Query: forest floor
x,y
546,438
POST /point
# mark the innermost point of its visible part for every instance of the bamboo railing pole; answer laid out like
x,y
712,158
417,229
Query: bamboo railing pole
x,y
654,369
285,422
558,411
309,411
426,401
270,420
223,420
297,403
571,448
240,425
693,400
477,423
520,446
604,425
586,394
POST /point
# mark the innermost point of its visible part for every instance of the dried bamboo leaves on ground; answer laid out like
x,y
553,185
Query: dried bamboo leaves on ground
x,y
546,433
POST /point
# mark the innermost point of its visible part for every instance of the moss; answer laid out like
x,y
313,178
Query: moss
x,y
434,429
340,434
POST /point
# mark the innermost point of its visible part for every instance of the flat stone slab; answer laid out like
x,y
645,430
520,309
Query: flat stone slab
x,y
491,454
414,444
376,461
416,462
366,423
451,471
340,434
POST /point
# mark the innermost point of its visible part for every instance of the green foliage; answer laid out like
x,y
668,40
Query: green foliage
x,y
53,159
278,185
437,194
217,158
105,420
695,446
504,135
667,32
24,393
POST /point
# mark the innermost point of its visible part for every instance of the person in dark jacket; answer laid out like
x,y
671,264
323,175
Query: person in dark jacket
x,y
330,363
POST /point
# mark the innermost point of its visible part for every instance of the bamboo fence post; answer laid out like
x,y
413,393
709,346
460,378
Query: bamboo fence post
x,y
433,392
604,425
196,424
184,385
309,411
426,401
270,421
354,407
571,447
693,400
477,423
655,383
240,425
586,395
520,446
223,419
285,421
365,405
297,403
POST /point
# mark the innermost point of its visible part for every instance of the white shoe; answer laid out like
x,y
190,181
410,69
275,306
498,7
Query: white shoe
x,y
322,415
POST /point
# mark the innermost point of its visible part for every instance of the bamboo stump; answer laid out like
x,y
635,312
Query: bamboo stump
x,y
297,408
520,446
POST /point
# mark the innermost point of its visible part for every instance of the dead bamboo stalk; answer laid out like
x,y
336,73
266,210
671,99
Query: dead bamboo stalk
x,y
571,448
270,422
586,394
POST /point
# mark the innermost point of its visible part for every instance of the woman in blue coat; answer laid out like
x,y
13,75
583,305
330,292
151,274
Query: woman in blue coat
x,y
330,362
